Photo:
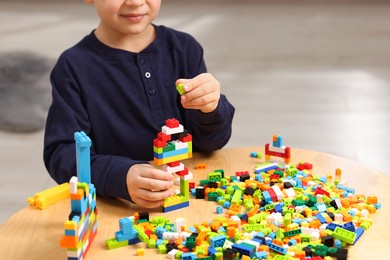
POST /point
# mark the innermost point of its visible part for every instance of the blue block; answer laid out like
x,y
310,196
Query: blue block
x,y
261,255
120,236
171,153
175,207
320,218
160,231
266,168
359,232
188,256
211,251
277,248
333,226
337,243
292,242
70,232
227,204
266,196
321,207
126,225
259,178
278,207
349,226
243,249
278,142
83,161
217,241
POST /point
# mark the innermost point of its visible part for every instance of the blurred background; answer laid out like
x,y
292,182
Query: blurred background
x,y
316,72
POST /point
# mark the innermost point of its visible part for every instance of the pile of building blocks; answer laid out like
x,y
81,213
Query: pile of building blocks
x,y
173,144
278,211
81,227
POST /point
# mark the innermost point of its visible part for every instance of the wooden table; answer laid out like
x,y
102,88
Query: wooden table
x,y
34,234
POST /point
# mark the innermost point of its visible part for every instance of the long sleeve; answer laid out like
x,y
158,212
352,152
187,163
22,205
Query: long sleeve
x,y
121,100
67,115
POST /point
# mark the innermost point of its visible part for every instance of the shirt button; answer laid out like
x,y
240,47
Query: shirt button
x,y
152,91
147,75
141,61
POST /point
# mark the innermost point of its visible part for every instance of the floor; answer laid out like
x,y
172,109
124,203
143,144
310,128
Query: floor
x,y
315,72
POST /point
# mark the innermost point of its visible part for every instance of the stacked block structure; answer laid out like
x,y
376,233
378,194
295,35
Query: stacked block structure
x,y
277,149
128,234
172,145
81,227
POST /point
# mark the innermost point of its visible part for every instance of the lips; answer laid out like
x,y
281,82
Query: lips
x,y
134,17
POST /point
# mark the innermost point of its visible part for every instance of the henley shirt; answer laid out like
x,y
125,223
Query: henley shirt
x,y
121,99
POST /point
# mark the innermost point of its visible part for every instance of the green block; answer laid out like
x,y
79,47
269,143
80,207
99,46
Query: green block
x,y
169,147
344,235
162,249
180,88
152,243
113,243
321,250
292,232
214,176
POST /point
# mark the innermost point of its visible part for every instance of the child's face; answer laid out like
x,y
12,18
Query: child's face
x,y
126,17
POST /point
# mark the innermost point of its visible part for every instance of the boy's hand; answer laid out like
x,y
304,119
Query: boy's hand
x,y
148,186
202,92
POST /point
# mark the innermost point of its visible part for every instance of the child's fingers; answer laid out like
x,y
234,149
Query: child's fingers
x,y
155,179
191,84
149,195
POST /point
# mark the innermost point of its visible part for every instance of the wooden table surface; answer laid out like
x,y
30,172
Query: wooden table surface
x,y
35,234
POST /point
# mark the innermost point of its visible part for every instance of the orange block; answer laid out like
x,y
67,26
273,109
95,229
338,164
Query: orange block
x,y
315,223
346,216
231,231
371,209
301,255
277,242
68,242
372,200
77,196
200,238
263,248
254,210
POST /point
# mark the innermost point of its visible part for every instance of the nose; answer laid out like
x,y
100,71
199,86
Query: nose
x,y
135,2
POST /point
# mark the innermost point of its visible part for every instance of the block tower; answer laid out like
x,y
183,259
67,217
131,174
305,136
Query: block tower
x,y
173,144
277,149
81,227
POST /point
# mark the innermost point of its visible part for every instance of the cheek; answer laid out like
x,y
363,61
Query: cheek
x,y
155,5
107,10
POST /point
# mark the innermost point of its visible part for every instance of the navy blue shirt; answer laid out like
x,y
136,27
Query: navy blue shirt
x,y
121,100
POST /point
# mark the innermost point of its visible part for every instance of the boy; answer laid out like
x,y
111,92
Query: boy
x,y
118,85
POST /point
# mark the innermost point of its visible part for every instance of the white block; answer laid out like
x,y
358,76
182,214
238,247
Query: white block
x,y
73,185
171,131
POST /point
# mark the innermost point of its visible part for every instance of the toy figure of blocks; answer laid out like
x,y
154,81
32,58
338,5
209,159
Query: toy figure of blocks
x,y
277,149
173,144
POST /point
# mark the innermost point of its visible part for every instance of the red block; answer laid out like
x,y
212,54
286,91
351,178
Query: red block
x,y
183,172
163,137
173,164
159,143
186,138
172,123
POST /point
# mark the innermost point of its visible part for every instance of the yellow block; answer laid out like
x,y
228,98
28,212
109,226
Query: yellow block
x,y
172,159
50,196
